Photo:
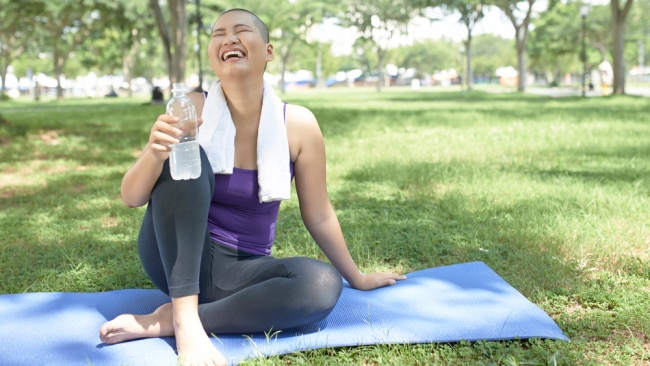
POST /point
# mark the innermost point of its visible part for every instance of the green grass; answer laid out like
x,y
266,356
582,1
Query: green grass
x,y
553,194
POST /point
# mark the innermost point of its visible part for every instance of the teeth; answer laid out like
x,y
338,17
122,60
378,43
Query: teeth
x,y
230,54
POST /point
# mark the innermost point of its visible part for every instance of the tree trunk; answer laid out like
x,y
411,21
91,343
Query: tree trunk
x,y
5,58
59,63
128,60
285,60
163,31
58,72
618,37
520,45
521,66
380,68
178,22
618,60
3,75
468,50
521,35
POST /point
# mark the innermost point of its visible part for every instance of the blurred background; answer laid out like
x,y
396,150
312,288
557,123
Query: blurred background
x,y
122,48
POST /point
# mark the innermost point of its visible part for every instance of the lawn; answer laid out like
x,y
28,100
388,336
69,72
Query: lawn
x,y
553,194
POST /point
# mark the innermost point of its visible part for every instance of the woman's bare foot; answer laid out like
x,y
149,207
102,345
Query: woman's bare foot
x,y
192,343
126,327
195,347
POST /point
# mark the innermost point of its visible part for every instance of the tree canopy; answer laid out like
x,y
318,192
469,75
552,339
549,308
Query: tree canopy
x,y
162,38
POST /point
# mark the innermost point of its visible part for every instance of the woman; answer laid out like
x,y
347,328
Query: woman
x,y
206,242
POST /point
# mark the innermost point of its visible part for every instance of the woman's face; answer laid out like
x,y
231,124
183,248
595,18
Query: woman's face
x,y
237,47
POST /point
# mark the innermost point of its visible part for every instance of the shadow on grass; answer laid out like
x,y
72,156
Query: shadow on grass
x,y
424,227
427,223
85,132
71,234
626,164
453,110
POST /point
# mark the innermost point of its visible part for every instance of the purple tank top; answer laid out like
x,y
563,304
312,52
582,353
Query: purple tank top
x,y
237,219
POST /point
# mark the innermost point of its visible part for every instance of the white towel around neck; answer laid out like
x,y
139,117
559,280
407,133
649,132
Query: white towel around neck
x,y
217,137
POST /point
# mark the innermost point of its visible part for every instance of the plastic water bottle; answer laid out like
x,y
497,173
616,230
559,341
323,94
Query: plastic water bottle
x,y
184,159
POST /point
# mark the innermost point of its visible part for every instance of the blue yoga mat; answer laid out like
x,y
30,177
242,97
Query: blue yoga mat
x,y
445,304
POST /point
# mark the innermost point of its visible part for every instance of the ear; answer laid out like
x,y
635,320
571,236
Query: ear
x,y
270,55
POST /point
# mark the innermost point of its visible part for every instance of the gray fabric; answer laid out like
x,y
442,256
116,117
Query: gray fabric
x,y
238,292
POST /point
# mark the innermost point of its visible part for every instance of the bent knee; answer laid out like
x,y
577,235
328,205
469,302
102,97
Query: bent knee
x,y
324,286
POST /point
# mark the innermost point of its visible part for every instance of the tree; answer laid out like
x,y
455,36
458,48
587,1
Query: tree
x,y
379,22
427,56
490,53
470,13
173,35
552,46
69,23
619,15
132,25
520,19
598,31
202,8
638,30
16,31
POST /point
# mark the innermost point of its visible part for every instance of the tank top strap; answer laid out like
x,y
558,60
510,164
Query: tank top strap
x,y
284,109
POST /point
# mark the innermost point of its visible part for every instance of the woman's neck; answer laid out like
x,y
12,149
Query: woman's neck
x,y
244,99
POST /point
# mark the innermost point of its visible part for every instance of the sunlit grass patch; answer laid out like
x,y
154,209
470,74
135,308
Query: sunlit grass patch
x,y
551,193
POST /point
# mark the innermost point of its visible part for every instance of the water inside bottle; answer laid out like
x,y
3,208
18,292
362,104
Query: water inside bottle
x,y
185,161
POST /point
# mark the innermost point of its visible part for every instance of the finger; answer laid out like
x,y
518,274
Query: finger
x,y
162,138
392,279
167,118
166,127
161,148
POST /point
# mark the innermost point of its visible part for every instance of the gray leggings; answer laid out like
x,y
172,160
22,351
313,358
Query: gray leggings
x,y
238,292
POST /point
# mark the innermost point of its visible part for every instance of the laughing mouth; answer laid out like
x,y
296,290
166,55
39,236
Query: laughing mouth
x,y
232,54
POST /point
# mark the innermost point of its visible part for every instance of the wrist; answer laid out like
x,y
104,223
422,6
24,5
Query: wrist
x,y
151,154
356,281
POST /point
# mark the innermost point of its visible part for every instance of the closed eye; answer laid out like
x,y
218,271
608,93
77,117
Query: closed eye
x,y
242,28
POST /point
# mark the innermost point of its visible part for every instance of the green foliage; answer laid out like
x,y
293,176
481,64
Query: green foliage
x,y
557,35
118,36
17,30
427,56
378,22
550,193
490,52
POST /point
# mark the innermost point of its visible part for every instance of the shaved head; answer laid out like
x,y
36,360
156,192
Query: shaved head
x,y
259,24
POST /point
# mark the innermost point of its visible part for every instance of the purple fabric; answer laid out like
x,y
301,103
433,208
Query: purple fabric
x,y
237,218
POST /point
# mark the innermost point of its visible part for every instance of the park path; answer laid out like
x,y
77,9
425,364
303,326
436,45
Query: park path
x,y
573,92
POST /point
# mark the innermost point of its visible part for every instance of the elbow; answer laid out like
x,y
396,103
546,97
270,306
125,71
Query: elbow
x,y
130,200
130,203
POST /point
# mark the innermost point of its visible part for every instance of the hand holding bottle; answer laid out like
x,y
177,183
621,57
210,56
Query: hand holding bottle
x,y
163,135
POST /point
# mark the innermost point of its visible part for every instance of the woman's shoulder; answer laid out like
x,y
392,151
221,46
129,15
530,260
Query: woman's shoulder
x,y
302,130
299,116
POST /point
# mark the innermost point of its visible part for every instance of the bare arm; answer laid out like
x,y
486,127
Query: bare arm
x,y
315,207
139,180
